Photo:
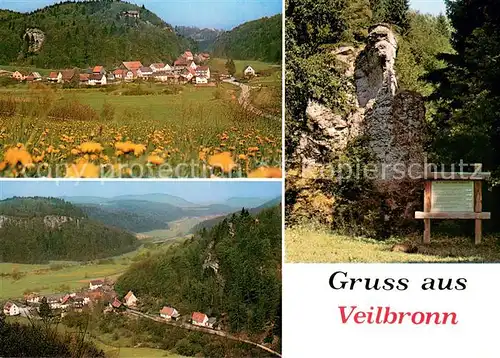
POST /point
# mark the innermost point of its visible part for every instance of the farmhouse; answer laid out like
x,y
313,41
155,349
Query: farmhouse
x,y
165,76
66,76
188,55
84,78
169,313
199,319
249,71
95,284
116,303
10,309
130,300
32,298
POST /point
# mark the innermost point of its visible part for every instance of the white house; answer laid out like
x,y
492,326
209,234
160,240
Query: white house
x,y
156,67
32,298
203,71
249,71
95,284
97,79
53,77
201,80
144,72
36,76
199,319
129,76
130,299
10,309
169,313
20,75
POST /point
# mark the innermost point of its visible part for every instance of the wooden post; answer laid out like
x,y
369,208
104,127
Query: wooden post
x,y
478,207
427,209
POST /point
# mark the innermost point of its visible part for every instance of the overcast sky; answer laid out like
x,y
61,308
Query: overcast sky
x,y
193,191
220,14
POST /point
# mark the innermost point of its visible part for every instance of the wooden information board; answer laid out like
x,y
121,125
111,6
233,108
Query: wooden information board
x,y
453,196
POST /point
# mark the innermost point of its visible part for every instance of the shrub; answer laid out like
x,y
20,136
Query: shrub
x,y
73,110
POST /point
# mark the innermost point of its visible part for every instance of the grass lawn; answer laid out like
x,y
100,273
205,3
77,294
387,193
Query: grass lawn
x,y
176,229
309,245
127,352
42,71
219,65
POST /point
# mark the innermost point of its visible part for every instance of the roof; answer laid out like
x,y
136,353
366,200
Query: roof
x,y
212,320
162,73
199,317
202,68
97,77
97,282
146,69
36,74
181,61
84,77
128,295
158,65
98,69
53,75
132,65
188,54
116,303
8,305
65,299
68,74
169,311
119,71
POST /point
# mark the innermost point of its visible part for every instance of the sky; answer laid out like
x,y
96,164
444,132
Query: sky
x,y
220,14
193,191
429,6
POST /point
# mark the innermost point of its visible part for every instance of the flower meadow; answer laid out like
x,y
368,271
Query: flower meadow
x,y
216,140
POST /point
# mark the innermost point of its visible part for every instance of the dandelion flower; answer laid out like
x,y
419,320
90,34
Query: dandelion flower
x,y
16,155
90,147
222,160
265,172
155,159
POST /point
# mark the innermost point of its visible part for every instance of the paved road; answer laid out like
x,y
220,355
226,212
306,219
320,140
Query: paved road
x,y
201,329
244,99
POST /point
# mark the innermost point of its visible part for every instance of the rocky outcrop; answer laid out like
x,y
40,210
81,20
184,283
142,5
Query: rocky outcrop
x,y
54,222
392,121
35,39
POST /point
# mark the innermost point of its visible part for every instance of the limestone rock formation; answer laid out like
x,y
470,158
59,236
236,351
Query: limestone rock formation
x,y
393,122
34,38
54,222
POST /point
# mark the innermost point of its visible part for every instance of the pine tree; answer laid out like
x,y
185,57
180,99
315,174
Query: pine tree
x,y
397,13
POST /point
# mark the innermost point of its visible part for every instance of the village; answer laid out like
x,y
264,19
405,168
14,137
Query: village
x,y
98,292
187,68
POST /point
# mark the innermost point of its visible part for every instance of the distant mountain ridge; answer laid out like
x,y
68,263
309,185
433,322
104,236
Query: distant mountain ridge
x,y
204,38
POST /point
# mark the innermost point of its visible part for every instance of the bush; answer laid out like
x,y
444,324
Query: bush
x,y
8,106
107,112
73,110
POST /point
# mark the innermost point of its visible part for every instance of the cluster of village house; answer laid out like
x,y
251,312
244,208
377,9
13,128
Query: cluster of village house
x,y
185,69
98,291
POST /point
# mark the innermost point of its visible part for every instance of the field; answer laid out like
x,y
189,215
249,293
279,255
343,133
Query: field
x,y
316,245
218,65
133,130
176,229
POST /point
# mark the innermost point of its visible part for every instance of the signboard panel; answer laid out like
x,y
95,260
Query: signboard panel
x,y
452,196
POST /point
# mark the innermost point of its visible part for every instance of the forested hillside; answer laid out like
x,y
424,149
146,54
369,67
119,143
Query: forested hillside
x,y
210,223
255,40
86,33
232,270
36,230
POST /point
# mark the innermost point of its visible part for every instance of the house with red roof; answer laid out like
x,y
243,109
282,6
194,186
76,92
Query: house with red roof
x,y
188,55
203,71
199,319
120,73
53,77
116,303
132,65
20,75
169,313
144,72
99,70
